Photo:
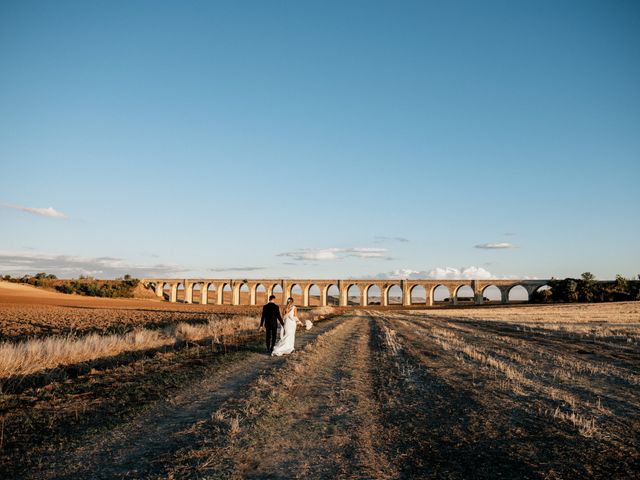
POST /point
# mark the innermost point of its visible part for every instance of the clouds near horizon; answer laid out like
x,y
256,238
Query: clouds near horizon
x,y
236,269
68,266
324,254
442,273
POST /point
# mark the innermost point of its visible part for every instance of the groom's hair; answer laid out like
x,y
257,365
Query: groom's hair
x,y
272,297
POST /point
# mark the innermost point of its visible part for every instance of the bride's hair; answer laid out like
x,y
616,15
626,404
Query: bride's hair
x,y
289,300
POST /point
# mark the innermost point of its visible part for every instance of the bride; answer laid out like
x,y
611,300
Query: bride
x,y
286,344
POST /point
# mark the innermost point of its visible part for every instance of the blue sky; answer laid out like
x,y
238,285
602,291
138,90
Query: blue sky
x,y
320,139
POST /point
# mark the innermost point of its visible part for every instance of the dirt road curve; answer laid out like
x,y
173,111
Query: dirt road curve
x,y
387,395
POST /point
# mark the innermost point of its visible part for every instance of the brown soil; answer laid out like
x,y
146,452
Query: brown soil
x,y
393,394
129,420
561,314
27,311
385,397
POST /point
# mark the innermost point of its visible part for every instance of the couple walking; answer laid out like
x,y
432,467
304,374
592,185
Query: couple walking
x,y
270,319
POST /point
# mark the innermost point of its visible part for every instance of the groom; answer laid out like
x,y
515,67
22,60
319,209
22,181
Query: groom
x,y
270,318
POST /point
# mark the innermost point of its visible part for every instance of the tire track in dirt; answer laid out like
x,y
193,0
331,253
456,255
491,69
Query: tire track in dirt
x,y
500,426
144,446
622,357
314,418
429,423
579,383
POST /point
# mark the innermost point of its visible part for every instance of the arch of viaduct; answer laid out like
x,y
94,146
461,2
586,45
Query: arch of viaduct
x,y
234,287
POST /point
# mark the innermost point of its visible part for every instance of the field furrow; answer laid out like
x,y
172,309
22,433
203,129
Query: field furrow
x,y
514,413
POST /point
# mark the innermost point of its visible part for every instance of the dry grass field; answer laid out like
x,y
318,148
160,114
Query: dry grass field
x,y
28,312
495,392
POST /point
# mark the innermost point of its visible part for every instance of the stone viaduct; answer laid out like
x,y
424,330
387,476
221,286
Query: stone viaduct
x,y
215,291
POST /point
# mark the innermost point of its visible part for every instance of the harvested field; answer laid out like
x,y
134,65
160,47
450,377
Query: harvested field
x,y
21,322
562,314
149,401
370,394
28,312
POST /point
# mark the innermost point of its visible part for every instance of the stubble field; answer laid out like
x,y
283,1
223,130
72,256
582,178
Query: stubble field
x,y
516,392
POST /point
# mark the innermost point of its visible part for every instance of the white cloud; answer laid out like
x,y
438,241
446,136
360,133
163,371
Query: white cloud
x,y
316,254
367,252
312,254
236,269
66,266
495,246
471,273
44,212
384,239
439,273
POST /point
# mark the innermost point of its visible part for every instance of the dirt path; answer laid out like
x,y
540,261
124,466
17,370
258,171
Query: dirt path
x,y
314,418
140,448
389,395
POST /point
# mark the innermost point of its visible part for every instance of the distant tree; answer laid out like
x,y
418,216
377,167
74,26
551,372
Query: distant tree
x,y
572,290
621,289
128,277
564,290
587,287
621,284
541,296
588,277
64,288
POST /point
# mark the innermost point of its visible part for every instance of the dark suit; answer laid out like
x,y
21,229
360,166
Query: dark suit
x,y
270,318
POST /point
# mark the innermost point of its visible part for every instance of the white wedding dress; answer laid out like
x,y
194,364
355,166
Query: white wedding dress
x,y
287,341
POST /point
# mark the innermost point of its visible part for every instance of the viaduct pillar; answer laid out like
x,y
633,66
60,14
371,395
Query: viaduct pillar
x,y
188,292
235,294
252,294
477,292
204,294
504,295
406,294
324,294
219,293
343,293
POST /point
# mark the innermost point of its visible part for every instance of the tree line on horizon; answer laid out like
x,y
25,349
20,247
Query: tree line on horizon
x,y
588,289
84,285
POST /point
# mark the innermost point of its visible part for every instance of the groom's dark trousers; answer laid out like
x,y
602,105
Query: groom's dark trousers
x,y
270,318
